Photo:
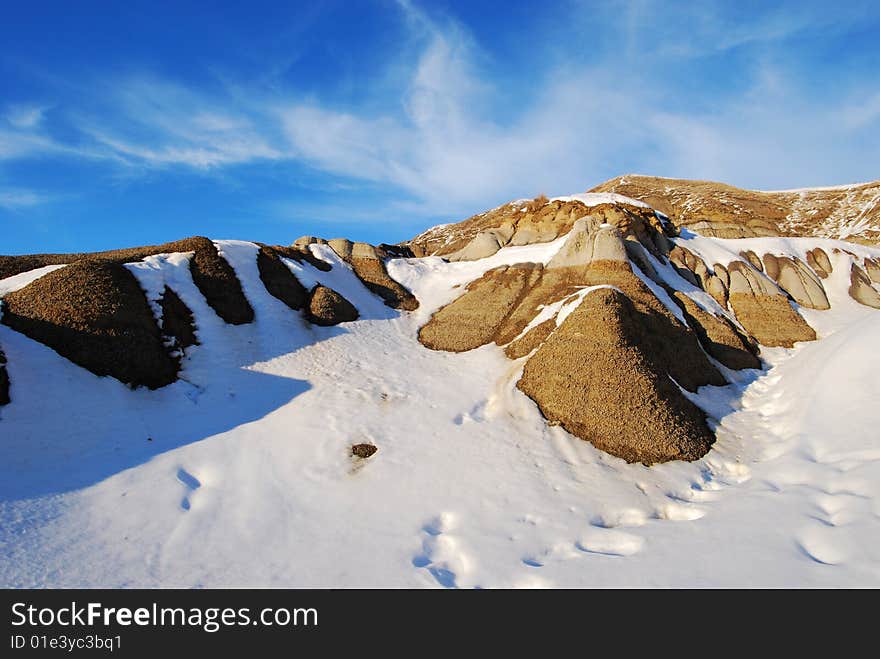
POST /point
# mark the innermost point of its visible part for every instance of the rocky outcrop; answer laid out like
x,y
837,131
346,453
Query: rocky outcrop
x,y
795,278
818,260
395,251
305,241
753,259
598,376
526,222
500,305
591,249
718,335
530,340
763,309
718,290
178,325
590,239
218,282
369,265
95,314
723,211
327,307
212,274
278,279
692,268
474,319
860,288
722,274
322,305
872,267
484,244
300,254
718,285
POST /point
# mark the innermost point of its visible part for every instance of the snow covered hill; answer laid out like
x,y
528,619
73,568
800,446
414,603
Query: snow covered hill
x,y
850,212
240,472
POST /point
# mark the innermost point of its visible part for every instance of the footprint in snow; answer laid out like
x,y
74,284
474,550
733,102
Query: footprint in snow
x,y
678,512
620,517
192,484
821,545
441,553
610,542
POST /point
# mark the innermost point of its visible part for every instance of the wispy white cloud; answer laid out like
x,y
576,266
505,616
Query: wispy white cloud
x,y
24,116
439,144
156,122
695,29
13,199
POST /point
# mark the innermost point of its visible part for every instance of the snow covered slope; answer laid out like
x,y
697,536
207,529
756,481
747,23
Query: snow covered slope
x,y
241,473
850,212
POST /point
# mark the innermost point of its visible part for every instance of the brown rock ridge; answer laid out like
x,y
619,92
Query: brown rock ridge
x,y
753,259
526,222
278,279
597,376
531,339
474,318
212,274
323,306
95,314
368,263
177,321
718,335
715,209
594,253
218,282
300,254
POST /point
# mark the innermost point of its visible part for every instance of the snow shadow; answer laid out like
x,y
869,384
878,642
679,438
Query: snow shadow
x,y
67,428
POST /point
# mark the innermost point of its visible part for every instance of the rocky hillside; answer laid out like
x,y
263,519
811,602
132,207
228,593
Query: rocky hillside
x,y
99,311
849,212
476,407
614,316
628,315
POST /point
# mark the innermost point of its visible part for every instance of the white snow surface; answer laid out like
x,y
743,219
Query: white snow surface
x,y
726,250
19,281
240,473
596,198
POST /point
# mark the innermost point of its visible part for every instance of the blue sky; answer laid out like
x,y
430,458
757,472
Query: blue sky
x,y
125,123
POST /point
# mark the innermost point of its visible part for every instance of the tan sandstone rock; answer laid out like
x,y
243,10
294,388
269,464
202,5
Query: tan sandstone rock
x,y
818,260
795,278
872,266
860,288
763,309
